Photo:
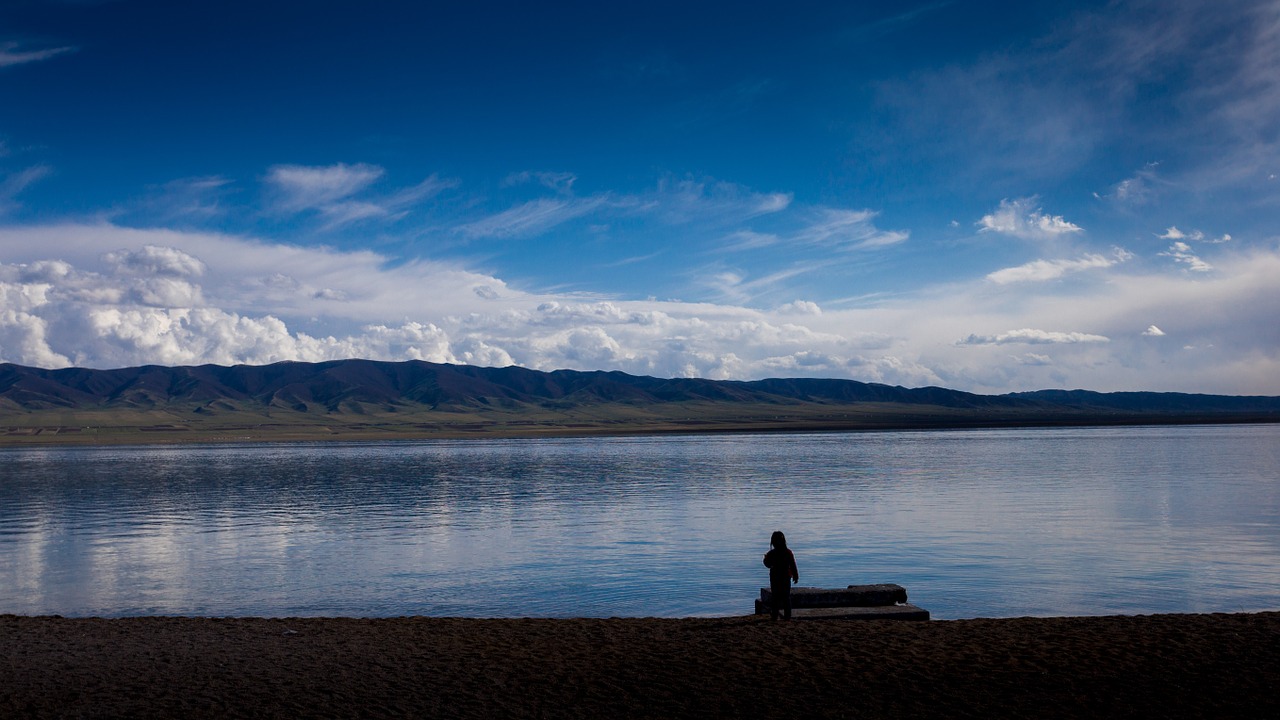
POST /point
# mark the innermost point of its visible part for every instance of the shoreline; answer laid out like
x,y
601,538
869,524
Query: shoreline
x,y
1112,666
116,436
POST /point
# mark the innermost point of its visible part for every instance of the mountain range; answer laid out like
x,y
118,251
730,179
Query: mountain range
x,y
370,398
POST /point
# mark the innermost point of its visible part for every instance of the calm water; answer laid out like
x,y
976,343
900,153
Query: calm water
x,y
972,523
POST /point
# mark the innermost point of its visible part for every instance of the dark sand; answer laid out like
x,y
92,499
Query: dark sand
x,y
1224,665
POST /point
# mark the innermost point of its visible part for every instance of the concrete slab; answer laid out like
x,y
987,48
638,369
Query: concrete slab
x,y
883,612
851,596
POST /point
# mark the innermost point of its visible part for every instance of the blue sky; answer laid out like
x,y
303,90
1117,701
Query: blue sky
x,y
987,196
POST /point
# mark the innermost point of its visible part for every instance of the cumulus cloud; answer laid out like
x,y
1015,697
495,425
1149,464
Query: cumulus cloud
x,y
1153,331
1023,218
155,260
800,307
23,334
1041,270
888,369
1033,337
106,296
1173,233
155,303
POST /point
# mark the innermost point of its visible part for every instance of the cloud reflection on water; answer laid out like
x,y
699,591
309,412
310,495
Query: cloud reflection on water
x,y
973,523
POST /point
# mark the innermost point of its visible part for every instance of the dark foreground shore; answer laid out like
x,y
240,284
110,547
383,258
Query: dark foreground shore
x,y
1223,665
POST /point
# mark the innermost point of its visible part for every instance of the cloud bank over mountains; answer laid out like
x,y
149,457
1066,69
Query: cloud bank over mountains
x,y
105,296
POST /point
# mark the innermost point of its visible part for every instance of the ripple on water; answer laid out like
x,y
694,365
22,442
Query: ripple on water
x,y
973,523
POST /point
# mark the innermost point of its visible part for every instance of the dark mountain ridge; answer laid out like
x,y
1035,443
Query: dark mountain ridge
x,y
341,386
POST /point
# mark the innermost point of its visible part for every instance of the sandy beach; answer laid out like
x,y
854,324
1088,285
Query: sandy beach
x,y
1122,666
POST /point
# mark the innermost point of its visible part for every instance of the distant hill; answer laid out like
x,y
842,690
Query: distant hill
x,y
1153,402
341,385
394,399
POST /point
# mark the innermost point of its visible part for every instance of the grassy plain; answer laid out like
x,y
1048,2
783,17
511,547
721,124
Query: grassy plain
x,y
240,423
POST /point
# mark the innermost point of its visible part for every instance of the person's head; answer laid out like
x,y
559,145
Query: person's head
x,y
778,540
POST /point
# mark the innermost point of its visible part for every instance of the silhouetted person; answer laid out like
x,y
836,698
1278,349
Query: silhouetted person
x,y
782,572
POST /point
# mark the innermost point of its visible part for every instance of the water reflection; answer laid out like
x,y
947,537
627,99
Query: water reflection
x,y
977,523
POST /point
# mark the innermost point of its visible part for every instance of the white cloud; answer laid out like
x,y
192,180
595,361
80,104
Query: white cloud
x,y
676,202
736,286
309,188
848,230
1140,189
10,55
23,335
155,260
411,341
632,260
1131,190
1153,331
428,188
531,218
1041,270
800,307
132,309
23,297
749,240
561,182
1182,253
62,302
331,294
1033,359
888,369
1023,218
332,192
1033,337
15,183
1173,233
708,201
195,198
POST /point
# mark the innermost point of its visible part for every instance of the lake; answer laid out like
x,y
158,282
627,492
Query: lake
x,y
974,523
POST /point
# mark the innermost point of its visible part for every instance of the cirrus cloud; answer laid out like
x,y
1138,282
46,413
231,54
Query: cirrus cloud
x,y
848,230
1041,270
11,54
339,192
